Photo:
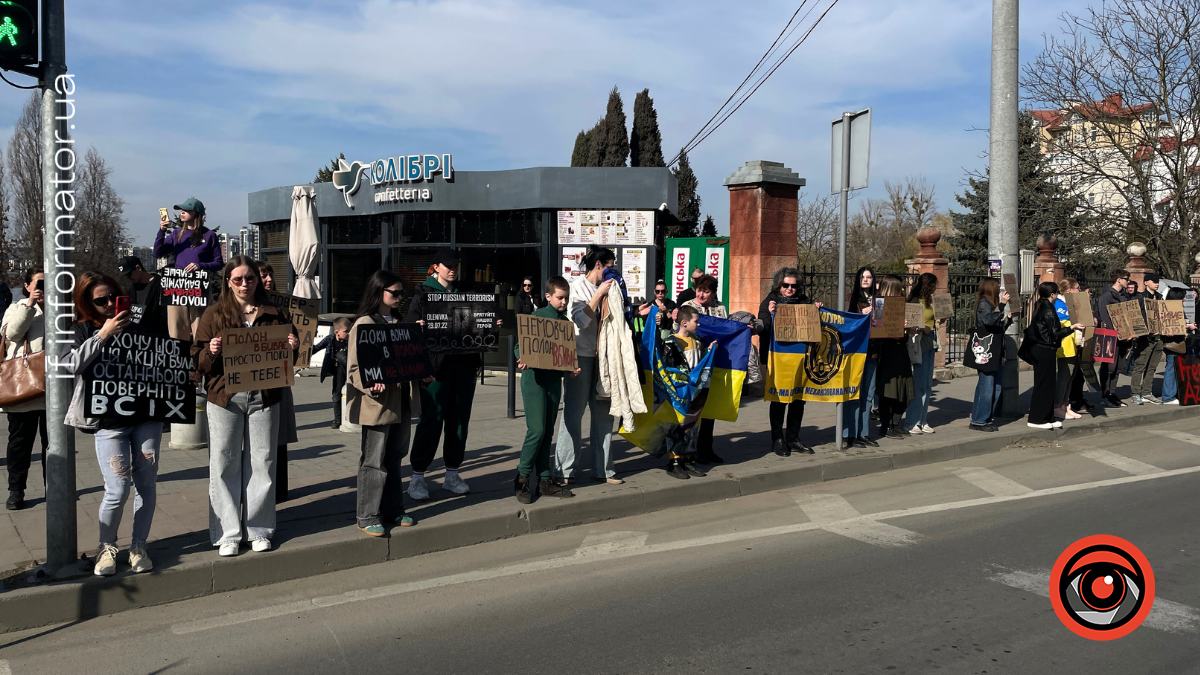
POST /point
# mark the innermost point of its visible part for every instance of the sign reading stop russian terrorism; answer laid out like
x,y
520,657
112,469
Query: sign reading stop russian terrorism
x,y
830,371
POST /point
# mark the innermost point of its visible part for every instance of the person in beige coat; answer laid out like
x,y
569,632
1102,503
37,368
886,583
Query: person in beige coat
x,y
384,412
24,330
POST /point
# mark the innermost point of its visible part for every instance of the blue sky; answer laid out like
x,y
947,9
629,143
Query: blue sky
x,y
218,99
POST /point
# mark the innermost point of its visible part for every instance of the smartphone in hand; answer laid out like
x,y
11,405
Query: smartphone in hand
x,y
122,303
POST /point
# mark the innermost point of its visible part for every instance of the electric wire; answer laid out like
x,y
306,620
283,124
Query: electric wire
x,y
12,84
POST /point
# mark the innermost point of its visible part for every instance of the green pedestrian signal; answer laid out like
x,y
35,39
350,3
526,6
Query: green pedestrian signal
x,y
18,34
9,31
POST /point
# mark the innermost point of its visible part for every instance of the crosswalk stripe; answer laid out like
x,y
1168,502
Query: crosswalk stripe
x,y
835,510
991,482
1121,462
1165,615
1178,435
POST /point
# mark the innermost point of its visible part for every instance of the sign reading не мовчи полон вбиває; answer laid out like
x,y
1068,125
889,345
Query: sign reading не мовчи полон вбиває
x,y
141,378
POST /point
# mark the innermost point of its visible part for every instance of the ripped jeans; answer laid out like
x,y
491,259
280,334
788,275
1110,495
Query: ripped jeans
x,y
128,456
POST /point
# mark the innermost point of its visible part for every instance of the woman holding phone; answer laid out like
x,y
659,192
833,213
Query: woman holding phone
x,y
24,328
194,247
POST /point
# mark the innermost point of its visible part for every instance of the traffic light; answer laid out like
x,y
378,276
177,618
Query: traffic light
x,y
18,34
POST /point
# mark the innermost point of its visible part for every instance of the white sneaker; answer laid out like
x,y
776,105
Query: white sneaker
x,y
1047,425
456,485
106,562
1175,402
1056,424
915,430
139,560
417,489
228,550
261,545
927,429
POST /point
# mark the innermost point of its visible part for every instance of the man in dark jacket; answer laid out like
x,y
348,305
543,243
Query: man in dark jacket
x,y
1111,372
1147,351
145,292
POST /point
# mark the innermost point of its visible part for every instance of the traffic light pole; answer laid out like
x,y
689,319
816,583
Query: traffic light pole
x,y
58,176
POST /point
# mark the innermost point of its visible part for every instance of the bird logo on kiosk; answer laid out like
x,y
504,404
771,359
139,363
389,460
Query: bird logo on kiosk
x,y
1102,587
402,169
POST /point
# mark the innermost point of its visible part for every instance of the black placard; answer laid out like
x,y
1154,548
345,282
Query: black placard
x,y
188,289
461,323
137,313
391,353
141,378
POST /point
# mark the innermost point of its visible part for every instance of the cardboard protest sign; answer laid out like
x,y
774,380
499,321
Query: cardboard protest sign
x,y
1153,321
303,314
142,378
914,315
547,344
1010,285
1171,318
185,289
257,358
391,353
461,323
1189,307
1127,320
1104,349
1079,306
887,318
943,306
797,323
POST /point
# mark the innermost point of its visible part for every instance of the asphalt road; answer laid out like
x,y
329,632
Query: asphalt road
x,y
946,573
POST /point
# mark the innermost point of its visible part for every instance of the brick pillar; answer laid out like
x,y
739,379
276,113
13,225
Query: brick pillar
x,y
1137,267
1046,267
929,259
763,209
1196,274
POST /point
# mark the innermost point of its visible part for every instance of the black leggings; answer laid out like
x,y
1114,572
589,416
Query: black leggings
x,y
795,416
890,411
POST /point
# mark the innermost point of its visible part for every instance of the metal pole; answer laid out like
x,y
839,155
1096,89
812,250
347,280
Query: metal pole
x,y
58,176
841,280
1002,174
512,378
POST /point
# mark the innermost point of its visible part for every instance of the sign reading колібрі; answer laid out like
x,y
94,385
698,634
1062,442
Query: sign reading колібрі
x,y
303,314
188,289
461,323
257,358
141,378
390,353
546,344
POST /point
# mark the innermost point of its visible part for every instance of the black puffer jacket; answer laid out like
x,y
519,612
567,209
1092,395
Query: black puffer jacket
x,y
1046,330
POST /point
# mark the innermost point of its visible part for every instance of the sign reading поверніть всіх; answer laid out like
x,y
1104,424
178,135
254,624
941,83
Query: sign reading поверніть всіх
x,y
400,169
139,378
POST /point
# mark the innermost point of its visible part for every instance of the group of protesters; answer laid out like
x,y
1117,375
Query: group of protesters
x,y
249,431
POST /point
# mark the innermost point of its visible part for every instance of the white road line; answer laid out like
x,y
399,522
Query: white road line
x,y
1121,462
236,618
1165,615
607,542
844,519
1178,435
991,482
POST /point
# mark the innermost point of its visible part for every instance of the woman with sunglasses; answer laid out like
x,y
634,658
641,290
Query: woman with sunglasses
x,y
529,301
242,427
126,450
785,290
384,412
24,332
287,409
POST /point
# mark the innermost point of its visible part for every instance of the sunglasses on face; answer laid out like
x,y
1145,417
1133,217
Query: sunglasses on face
x,y
527,285
394,292
787,285
242,281
104,300
659,291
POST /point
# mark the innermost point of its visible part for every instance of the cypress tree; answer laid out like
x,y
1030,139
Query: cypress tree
x,y
616,144
579,155
325,173
710,227
689,201
645,141
596,142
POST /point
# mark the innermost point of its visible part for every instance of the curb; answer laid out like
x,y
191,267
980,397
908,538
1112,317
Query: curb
x,y
202,573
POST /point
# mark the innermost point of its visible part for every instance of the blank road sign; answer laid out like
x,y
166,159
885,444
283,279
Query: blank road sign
x,y
860,151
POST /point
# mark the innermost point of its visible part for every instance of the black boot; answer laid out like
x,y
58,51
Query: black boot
x,y
691,469
16,500
797,447
550,488
521,488
780,448
676,470
898,425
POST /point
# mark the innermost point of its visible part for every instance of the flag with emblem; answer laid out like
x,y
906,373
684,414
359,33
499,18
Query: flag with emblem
x,y
830,371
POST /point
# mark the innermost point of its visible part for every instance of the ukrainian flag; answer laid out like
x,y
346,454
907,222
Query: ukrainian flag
x,y
728,368
831,371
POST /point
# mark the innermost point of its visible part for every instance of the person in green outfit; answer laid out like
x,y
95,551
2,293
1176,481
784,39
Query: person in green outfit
x,y
541,390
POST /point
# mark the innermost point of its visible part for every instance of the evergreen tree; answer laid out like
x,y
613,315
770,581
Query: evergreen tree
x,y
597,139
616,143
710,227
645,141
583,145
325,174
689,201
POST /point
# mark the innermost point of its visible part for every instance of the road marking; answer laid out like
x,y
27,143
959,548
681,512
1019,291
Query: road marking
x,y
844,519
1122,463
1178,435
570,560
1165,615
991,482
607,542
4,669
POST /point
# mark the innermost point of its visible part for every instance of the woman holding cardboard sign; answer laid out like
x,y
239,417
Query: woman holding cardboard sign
x,y
785,290
195,248
894,378
916,418
243,426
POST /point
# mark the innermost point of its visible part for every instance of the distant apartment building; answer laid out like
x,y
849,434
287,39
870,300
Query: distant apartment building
x,y
143,253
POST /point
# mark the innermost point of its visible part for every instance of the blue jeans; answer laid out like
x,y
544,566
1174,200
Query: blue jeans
x,y
918,408
128,457
856,414
987,396
1170,387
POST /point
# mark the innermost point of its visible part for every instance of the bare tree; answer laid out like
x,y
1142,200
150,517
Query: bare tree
x,y
1124,79
25,182
99,218
6,253
817,231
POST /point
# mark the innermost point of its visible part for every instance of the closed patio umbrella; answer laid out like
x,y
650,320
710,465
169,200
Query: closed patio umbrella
x,y
304,243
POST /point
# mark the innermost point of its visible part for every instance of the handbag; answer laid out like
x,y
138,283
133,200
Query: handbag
x,y
913,345
1025,351
984,350
22,378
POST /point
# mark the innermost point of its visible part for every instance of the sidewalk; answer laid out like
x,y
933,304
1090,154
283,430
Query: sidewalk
x,y
316,527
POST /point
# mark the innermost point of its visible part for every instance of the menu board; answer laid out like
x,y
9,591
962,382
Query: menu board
x,y
633,270
606,228
572,260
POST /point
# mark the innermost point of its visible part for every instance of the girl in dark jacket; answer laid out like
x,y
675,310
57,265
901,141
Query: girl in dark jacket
x,y
1046,332
857,431
785,290
989,320
894,377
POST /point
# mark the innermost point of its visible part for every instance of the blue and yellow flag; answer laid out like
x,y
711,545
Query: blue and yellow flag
x,y
828,372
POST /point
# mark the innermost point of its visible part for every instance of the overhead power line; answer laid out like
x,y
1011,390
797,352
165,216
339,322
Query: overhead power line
x,y
774,57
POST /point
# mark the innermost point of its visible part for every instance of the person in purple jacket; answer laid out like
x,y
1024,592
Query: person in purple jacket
x,y
194,247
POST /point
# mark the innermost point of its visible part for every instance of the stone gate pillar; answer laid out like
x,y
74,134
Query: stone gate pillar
x,y
1137,267
1196,275
929,259
763,209
1047,267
